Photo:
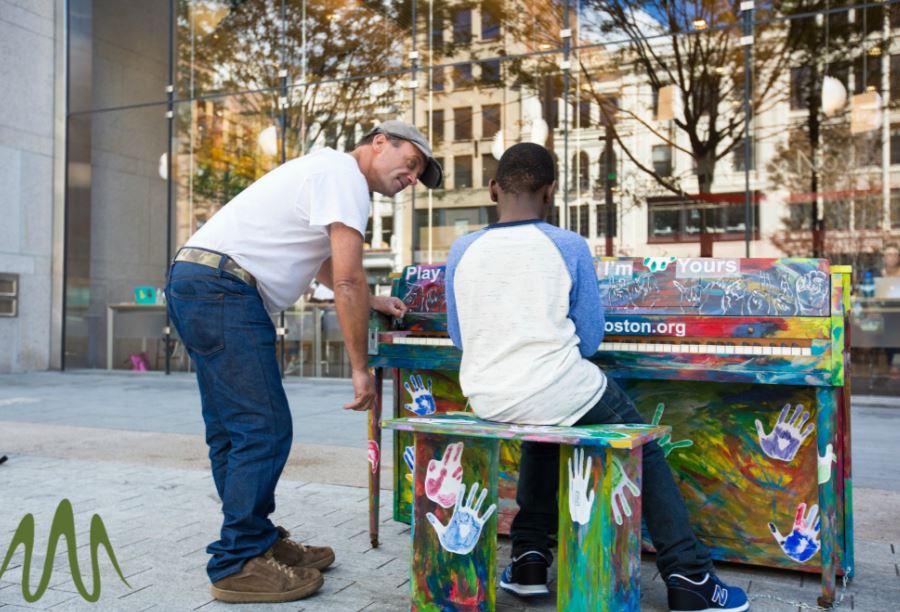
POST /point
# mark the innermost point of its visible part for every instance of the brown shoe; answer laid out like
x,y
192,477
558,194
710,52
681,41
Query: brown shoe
x,y
265,580
297,555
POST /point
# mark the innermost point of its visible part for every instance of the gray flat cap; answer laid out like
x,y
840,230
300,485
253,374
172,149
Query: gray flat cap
x,y
433,175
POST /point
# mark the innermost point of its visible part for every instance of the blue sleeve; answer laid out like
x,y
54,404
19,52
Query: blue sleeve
x,y
456,253
585,307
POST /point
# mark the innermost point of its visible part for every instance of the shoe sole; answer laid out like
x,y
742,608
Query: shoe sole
x,y
523,590
245,597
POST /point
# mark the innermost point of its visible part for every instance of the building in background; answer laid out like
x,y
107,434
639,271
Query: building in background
x,y
130,123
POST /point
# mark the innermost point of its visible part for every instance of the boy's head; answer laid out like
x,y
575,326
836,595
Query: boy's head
x,y
525,181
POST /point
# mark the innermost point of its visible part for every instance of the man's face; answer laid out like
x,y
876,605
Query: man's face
x,y
395,167
891,257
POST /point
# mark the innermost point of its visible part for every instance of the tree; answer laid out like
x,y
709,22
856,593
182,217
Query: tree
x,y
693,47
850,185
818,46
332,51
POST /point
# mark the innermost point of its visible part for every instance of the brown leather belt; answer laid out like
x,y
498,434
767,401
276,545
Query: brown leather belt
x,y
214,260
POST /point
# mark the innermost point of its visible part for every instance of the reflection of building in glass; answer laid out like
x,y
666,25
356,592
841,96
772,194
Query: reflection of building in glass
x,y
254,81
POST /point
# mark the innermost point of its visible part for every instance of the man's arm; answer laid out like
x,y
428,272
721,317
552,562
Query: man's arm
x,y
391,306
351,297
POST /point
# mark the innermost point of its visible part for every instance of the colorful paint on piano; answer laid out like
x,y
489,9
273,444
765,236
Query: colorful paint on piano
x,y
455,534
734,287
737,477
421,287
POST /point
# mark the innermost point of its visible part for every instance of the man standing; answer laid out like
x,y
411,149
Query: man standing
x,y
256,256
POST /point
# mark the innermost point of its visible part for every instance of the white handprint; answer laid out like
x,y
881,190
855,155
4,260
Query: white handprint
x,y
422,403
825,464
580,502
461,534
620,482
444,477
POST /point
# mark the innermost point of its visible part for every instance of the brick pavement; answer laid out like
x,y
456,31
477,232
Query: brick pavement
x,y
159,505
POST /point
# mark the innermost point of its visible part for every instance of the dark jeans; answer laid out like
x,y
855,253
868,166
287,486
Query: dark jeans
x,y
678,551
230,337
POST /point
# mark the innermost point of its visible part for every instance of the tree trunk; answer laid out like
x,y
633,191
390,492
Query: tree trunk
x,y
813,123
706,167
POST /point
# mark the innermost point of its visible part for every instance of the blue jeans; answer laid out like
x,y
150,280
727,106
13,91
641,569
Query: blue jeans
x,y
677,549
231,339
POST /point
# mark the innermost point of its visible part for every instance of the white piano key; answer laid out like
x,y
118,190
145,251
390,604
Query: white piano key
x,y
806,351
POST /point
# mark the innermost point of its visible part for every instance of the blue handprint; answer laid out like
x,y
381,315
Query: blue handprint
x,y
422,400
786,437
461,534
803,541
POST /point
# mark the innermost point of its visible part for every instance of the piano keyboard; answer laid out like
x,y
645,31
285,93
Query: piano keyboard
x,y
652,347
708,349
422,340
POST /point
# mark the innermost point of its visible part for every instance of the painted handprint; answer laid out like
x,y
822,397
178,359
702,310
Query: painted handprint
x,y
461,534
422,402
825,464
373,455
444,477
658,263
665,443
803,541
784,440
580,501
620,482
409,457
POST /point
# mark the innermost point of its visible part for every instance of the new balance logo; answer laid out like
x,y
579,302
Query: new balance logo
x,y
720,595
63,525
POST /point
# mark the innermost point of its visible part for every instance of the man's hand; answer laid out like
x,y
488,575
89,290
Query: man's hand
x,y
363,391
391,306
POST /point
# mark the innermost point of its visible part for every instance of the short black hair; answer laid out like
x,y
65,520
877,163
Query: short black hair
x,y
525,168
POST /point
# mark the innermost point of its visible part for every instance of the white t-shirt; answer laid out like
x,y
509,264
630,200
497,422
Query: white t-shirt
x,y
524,307
277,228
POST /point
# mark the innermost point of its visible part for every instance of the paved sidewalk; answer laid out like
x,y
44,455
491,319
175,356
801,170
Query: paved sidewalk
x,y
68,436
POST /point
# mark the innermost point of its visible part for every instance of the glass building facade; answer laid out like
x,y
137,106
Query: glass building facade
x,y
679,128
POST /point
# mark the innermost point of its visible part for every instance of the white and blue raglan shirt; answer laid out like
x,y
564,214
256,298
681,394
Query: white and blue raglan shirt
x,y
524,308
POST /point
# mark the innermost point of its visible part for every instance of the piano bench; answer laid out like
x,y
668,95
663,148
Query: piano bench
x,y
454,529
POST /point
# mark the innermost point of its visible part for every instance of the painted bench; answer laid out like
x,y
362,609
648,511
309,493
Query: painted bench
x,y
454,530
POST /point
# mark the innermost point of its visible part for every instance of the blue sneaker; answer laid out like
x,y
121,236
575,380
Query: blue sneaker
x,y
526,576
707,595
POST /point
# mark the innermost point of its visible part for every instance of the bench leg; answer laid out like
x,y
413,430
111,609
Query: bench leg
x,y
454,529
599,560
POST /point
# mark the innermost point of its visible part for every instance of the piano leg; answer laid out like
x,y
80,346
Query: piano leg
x,y
827,400
378,452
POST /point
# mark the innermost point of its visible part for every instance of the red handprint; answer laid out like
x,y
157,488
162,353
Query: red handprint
x,y
444,477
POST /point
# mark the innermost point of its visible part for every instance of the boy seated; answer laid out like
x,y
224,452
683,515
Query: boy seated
x,y
524,307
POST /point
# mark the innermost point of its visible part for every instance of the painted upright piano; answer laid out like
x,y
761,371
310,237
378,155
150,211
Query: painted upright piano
x,y
745,359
